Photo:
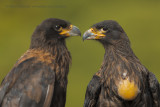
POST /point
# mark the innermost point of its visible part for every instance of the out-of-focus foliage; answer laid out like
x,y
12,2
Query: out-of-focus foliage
x,y
139,18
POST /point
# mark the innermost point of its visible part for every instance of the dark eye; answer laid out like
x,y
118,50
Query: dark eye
x,y
58,27
104,29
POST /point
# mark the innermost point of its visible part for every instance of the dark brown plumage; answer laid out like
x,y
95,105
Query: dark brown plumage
x,y
122,80
39,77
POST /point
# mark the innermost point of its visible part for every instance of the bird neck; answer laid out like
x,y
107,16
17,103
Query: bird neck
x,y
115,53
119,48
56,48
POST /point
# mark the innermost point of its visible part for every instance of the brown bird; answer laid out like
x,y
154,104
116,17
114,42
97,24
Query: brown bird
x,y
39,77
122,80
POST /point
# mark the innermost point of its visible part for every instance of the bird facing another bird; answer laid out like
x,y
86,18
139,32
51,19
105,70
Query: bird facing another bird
x,y
122,80
39,77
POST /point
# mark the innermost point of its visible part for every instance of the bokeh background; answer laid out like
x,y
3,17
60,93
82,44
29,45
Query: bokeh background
x,y
139,18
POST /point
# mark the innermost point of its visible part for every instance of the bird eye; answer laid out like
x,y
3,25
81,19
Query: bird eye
x,y
104,29
58,28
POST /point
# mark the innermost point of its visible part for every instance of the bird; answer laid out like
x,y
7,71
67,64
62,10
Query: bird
x,y
121,81
39,77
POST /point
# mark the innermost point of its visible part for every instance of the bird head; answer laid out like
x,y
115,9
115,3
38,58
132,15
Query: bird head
x,y
107,31
57,28
52,31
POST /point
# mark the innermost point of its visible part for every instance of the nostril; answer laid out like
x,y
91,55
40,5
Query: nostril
x,y
92,30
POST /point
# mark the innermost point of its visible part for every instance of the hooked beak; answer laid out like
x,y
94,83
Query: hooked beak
x,y
75,31
71,31
93,34
88,35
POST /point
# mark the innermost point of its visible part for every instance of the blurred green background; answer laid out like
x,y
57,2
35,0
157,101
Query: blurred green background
x,y
139,18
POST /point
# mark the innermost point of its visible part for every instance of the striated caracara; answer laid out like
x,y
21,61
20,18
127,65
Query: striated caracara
x,y
122,80
39,77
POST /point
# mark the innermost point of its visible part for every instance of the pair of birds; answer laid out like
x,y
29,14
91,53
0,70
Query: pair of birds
x,y
39,77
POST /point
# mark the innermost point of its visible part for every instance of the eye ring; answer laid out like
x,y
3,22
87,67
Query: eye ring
x,y
104,29
58,27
